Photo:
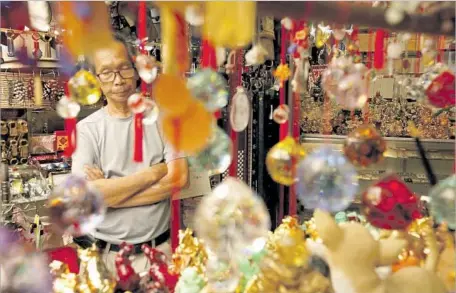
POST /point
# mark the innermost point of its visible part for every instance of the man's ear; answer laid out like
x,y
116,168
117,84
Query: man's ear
x,y
327,228
389,250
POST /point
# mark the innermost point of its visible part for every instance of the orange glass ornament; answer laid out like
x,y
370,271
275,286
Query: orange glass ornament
x,y
409,261
190,132
172,95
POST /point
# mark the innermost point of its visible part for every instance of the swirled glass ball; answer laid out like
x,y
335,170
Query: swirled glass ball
x,y
217,155
232,220
364,146
84,88
443,201
67,108
210,87
327,180
75,207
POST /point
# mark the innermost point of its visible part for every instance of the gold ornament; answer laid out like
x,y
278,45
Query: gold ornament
x,y
84,88
189,253
282,72
322,37
94,276
282,159
64,281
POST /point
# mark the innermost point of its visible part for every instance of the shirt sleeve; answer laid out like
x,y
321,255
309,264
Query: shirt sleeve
x,y
85,153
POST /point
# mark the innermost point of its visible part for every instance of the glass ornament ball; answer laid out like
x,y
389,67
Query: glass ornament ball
x,y
394,50
281,114
151,112
390,204
76,207
147,68
330,80
437,84
136,103
210,87
443,201
222,275
240,110
282,160
67,108
232,220
352,92
84,88
394,15
172,95
364,146
217,155
189,132
326,180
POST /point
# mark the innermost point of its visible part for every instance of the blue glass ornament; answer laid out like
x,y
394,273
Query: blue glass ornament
x,y
443,201
210,87
217,155
326,180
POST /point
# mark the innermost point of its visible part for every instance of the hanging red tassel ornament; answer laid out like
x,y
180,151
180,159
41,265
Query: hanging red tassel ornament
x,y
138,146
70,129
379,49
68,109
209,60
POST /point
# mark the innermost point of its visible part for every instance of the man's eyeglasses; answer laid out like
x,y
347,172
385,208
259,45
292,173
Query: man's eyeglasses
x,y
109,76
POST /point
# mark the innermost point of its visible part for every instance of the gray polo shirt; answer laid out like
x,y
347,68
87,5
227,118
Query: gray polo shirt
x,y
107,142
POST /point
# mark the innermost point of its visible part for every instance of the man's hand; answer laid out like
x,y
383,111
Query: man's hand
x,y
93,173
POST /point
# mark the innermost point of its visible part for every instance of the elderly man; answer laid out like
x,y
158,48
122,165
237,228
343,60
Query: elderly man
x,y
137,194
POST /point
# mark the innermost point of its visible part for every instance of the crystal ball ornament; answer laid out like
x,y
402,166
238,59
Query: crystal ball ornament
x,y
390,204
232,220
443,201
326,180
67,108
84,88
136,103
282,160
75,207
217,155
147,68
352,92
209,87
151,112
240,110
281,114
364,146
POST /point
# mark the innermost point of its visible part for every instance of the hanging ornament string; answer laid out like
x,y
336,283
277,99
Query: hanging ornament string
x,y
209,60
70,128
175,201
379,54
138,117
366,79
237,81
418,55
441,49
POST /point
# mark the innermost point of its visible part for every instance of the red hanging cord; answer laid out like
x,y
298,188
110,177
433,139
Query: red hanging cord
x,y
70,128
209,60
379,49
138,117
175,201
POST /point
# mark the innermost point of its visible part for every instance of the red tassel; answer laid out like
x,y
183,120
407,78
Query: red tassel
x,y
379,49
138,151
70,129
209,56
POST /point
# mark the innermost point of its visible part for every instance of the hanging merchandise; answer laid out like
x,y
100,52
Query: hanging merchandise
x,y
364,146
256,56
147,67
282,161
390,204
217,155
232,220
194,14
138,103
443,200
326,180
233,30
240,110
210,87
322,36
281,114
437,86
75,207
282,73
84,88
176,102
68,109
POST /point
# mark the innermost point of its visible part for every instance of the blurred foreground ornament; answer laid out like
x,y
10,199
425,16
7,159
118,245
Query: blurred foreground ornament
x,y
147,67
364,146
190,132
240,110
172,95
84,88
189,254
158,277
64,281
210,87
217,155
322,36
94,276
67,108
127,278
232,220
256,56
283,159
222,275
438,83
194,14
190,281
326,180
390,204
281,114
138,103
75,207
443,201
282,73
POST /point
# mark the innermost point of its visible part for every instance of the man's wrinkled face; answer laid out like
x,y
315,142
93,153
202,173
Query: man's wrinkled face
x,y
115,73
